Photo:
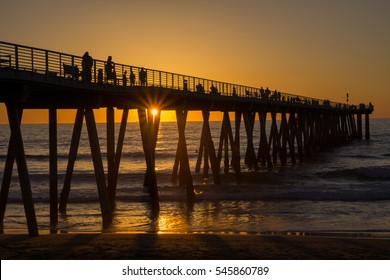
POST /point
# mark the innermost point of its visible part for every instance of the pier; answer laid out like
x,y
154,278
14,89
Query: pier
x,y
33,78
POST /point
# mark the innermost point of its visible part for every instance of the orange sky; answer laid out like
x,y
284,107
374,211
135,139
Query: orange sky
x,y
315,48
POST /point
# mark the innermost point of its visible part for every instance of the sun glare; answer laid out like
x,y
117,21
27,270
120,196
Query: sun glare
x,y
154,112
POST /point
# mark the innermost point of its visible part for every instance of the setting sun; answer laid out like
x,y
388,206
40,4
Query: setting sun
x,y
154,112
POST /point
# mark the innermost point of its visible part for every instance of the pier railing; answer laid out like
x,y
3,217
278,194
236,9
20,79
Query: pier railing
x,y
52,63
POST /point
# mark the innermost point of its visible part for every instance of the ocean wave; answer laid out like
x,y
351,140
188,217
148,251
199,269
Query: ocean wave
x,y
87,156
374,172
221,198
361,156
369,172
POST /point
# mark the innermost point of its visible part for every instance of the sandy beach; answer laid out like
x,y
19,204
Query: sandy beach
x,y
190,246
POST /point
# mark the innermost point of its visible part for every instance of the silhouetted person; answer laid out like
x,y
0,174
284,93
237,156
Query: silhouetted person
x,y
87,64
110,70
199,88
132,78
124,78
267,93
262,93
185,85
142,76
213,89
234,91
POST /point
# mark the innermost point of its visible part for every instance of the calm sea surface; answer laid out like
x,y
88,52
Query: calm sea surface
x,y
343,189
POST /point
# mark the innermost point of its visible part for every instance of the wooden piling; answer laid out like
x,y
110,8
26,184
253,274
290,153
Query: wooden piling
x,y
221,141
353,126
98,167
264,156
292,132
284,137
150,177
312,131
110,142
7,175
176,163
344,126
206,165
339,129
236,154
185,172
250,155
300,134
226,136
53,169
118,156
74,145
210,148
303,121
155,121
274,138
24,179
200,151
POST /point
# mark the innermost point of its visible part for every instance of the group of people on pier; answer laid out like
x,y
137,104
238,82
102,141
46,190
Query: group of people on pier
x,y
109,72
111,75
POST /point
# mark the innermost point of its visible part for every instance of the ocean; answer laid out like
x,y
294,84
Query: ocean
x,y
339,190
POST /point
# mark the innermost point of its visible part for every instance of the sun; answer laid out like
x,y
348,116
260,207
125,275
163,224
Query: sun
x,y
154,112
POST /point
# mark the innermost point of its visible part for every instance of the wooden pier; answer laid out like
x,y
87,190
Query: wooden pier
x,y
32,78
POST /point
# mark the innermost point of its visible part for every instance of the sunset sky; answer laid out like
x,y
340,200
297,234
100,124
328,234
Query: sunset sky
x,y
315,48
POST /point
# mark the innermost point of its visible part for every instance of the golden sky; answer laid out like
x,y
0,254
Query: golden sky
x,y
314,48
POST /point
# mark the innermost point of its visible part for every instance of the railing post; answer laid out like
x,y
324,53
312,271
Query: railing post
x,y
193,87
73,73
16,58
94,70
47,61
60,65
73,65
32,60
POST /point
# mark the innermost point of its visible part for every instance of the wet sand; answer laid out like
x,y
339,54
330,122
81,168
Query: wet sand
x,y
190,246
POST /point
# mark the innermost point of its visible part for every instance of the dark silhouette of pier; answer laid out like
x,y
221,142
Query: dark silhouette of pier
x,y
32,78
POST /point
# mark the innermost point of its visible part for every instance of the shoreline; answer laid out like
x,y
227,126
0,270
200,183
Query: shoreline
x,y
313,233
117,246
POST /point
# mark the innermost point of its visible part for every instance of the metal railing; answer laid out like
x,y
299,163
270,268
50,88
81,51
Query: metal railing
x,y
69,66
